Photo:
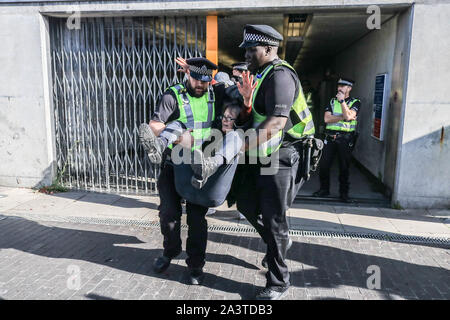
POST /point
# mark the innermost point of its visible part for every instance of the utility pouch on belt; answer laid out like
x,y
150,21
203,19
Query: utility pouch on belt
x,y
310,150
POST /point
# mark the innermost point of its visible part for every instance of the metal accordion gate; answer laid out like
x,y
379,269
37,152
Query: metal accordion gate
x,y
107,75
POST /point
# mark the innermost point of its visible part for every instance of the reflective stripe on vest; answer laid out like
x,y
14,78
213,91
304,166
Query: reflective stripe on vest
x,y
347,126
193,113
301,117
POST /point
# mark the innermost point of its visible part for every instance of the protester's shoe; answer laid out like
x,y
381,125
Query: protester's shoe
x,y
241,216
344,198
161,264
264,260
151,144
195,276
210,212
272,293
203,168
321,193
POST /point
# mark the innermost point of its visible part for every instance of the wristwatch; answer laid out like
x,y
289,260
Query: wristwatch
x,y
340,101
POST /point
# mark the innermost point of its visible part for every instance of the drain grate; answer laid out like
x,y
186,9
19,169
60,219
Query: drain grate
x,y
235,229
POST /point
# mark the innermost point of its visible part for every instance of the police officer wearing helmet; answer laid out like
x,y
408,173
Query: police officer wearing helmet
x,y
280,117
340,137
193,102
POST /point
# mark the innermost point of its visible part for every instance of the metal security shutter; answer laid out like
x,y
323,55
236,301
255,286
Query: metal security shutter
x,y
107,77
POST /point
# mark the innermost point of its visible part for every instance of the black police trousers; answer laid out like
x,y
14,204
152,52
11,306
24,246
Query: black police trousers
x,y
264,202
342,146
170,220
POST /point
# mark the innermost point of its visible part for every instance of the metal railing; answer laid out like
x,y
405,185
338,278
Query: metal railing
x,y
107,77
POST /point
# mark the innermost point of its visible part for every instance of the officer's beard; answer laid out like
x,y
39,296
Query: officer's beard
x,y
193,92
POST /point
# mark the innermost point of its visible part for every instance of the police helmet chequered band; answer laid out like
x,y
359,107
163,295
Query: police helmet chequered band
x,y
203,70
253,37
345,82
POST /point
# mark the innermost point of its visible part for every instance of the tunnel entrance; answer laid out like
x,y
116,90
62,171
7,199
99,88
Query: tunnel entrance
x,y
323,46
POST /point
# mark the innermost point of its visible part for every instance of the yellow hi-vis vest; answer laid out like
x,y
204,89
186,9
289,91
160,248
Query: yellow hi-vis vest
x,y
301,117
347,126
195,113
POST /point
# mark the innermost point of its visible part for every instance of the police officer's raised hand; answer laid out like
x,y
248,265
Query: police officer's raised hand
x,y
340,96
247,88
183,64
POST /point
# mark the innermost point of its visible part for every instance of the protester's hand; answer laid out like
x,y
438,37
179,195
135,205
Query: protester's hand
x,y
247,87
186,139
183,64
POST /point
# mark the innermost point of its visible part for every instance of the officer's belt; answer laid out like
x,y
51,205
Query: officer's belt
x,y
336,134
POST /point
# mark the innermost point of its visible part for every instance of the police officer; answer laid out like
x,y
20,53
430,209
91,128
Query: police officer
x,y
340,137
193,102
280,118
238,69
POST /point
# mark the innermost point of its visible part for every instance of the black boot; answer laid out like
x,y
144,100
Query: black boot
x,y
161,264
195,276
151,143
321,193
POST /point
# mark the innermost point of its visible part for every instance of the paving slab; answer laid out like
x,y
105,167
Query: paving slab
x,y
440,213
47,204
313,219
12,197
364,220
108,205
431,222
411,224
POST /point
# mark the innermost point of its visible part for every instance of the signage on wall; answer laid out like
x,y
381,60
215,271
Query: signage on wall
x,y
379,106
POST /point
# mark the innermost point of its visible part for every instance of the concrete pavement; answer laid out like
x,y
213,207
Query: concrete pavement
x,y
143,208
42,257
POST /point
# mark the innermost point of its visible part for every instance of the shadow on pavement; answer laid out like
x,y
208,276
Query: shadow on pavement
x,y
106,249
97,297
115,200
332,267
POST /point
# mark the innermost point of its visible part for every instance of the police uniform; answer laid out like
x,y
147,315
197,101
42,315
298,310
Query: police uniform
x,y
264,199
340,138
241,67
197,113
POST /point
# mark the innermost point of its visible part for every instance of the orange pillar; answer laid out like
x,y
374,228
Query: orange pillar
x,y
212,40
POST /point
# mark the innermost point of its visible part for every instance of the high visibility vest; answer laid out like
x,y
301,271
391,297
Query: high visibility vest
x,y
347,126
195,113
301,117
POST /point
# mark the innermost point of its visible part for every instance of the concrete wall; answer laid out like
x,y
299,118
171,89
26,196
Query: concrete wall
x,y
424,164
395,113
26,148
362,61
